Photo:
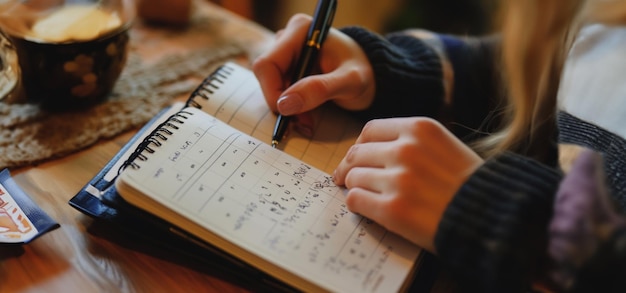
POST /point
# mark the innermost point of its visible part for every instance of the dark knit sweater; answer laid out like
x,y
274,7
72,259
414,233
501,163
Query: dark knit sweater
x,y
401,65
493,235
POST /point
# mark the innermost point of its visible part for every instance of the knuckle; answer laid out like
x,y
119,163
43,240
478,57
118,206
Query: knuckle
x,y
406,150
360,82
259,64
299,19
368,126
352,154
350,178
351,198
395,205
398,206
425,126
357,75
406,181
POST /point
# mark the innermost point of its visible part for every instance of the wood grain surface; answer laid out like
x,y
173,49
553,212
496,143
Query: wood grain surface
x,y
81,257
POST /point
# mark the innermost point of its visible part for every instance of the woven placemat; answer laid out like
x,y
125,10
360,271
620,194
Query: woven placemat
x,y
30,135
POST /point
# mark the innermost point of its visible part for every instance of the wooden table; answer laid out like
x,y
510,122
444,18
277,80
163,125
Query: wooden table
x,y
74,259
81,256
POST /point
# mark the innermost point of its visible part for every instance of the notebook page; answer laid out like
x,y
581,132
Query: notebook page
x,y
235,97
272,204
110,176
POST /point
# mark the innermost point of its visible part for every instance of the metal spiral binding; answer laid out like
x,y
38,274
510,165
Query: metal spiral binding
x,y
209,85
155,139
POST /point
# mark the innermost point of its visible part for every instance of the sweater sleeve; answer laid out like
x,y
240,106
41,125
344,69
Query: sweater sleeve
x,y
477,97
493,233
409,79
408,75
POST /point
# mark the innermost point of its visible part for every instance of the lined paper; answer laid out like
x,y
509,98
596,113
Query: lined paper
x,y
234,96
270,203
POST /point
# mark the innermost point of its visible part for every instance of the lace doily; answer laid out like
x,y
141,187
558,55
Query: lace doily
x,y
29,134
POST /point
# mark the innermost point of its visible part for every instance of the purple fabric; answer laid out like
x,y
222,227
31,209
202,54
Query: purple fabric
x,y
583,219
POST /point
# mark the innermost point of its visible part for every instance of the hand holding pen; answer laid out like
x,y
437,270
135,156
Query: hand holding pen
x,y
343,72
322,21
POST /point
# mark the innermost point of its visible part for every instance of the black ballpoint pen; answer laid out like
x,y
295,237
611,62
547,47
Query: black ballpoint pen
x,y
322,21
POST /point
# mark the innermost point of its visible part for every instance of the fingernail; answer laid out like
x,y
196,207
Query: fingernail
x,y
290,104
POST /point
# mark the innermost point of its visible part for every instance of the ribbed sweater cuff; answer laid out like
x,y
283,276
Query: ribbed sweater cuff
x,y
493,233
408,74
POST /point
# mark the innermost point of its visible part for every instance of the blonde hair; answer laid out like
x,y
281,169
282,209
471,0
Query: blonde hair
x,y
536,36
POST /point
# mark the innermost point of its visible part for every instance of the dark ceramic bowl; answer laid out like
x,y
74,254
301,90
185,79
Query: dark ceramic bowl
x,y
71,75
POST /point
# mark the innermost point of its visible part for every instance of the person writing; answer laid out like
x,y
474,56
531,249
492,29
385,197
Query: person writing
x,y
503,155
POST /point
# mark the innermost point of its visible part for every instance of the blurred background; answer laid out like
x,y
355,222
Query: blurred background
x,y
444,16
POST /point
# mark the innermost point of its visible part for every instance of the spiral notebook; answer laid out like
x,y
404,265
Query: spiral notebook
x,y
208,170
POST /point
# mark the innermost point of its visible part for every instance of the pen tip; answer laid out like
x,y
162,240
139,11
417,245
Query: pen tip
x,y
274,143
